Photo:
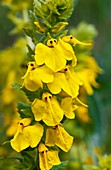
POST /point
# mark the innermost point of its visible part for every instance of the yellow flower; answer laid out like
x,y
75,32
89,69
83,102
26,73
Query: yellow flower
x,y
71,39
36,75
92,64
68,107
47,158
8,92
88,77
26,135
58,136
55,54
66,80
47,109
11,130
82,114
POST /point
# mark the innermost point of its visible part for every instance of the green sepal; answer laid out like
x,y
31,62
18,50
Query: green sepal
x,y
61,166
24,110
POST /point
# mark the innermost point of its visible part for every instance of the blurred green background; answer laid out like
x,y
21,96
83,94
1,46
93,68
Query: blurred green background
x,y
98,13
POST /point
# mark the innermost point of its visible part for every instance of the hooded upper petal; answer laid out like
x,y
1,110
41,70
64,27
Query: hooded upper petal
x,y
54,54
47,109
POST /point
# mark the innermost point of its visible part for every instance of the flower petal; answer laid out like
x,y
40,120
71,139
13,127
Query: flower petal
x,y
49,112
38,109
62,139
52,57
47,158
66,50
45,74
19,142
58,84
67,107
33,134
41,52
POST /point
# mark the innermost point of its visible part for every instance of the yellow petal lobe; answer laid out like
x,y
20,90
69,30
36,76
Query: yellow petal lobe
x,y
58,136
68,107
26,135
47,158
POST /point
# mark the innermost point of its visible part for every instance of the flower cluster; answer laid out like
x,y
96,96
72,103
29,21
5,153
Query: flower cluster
x,y
50,69
52,85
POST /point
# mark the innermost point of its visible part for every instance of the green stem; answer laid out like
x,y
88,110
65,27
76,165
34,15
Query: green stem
x,y
37,159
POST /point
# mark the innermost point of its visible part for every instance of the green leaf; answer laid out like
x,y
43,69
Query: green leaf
x,y
24,110
32,18
28,162
32,95
11,157
28,32
61,166
16,86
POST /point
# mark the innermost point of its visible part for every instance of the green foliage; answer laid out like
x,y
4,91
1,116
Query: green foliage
x,y
30,54
10,162
24,110
61,166
52,12
27,163
32,95
16,86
